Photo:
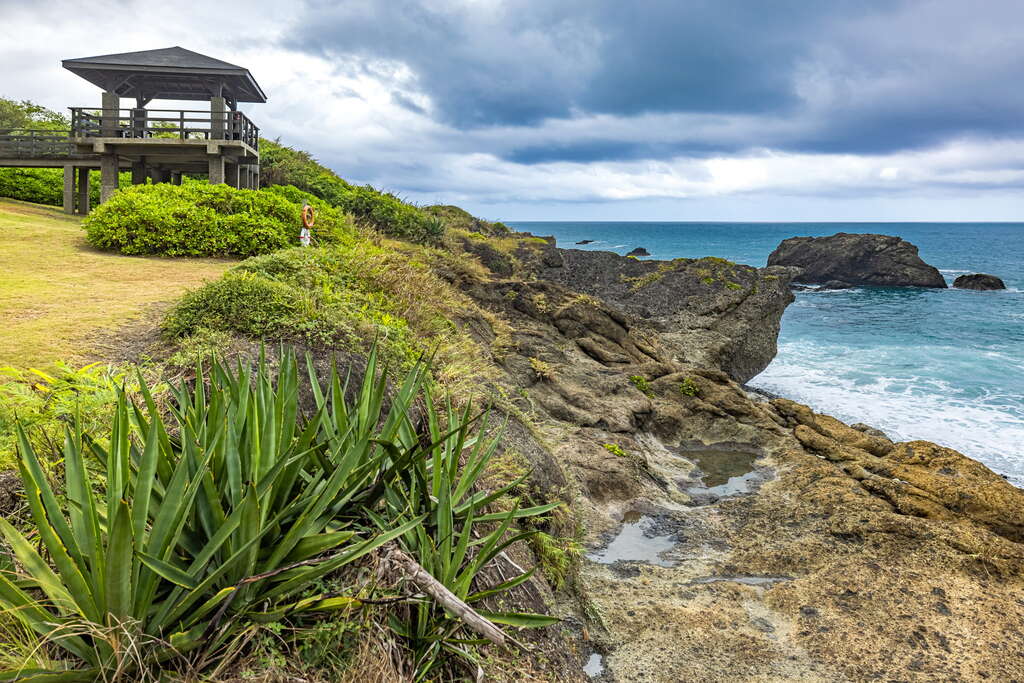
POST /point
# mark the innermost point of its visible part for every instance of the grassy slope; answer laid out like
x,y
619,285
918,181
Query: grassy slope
x,y
56,291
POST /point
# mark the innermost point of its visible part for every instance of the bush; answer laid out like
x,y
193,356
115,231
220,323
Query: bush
x,y
46,185
197,219
381,211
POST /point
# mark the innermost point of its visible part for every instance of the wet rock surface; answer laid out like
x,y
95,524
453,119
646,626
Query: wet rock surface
x,y
979,281
734,536
846,259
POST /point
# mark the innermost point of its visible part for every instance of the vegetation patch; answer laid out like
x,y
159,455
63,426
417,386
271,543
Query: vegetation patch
x,y
688,387
380,211
233,508
344,296
198,219
615,449
641,383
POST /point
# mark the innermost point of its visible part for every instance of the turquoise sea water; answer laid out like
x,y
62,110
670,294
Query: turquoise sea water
x,y
941,365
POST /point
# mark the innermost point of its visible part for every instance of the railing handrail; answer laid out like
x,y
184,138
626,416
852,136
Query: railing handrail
x,y
226,125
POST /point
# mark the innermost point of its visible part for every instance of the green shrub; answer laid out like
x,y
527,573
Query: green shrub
x,y
381,211
197,219
239,301
46,185
341,296
615,449
45,402
641,383
688,387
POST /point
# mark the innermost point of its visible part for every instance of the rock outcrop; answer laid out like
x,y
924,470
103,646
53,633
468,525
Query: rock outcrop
x,y
979,281
856,259
786,544
709,311
639,251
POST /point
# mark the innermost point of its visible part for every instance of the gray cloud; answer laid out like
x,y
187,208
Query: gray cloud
x,y
855,76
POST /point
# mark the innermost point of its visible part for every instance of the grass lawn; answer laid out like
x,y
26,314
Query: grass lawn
x,y
57,293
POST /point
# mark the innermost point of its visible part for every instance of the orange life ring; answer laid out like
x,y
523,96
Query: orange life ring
x,y
308,217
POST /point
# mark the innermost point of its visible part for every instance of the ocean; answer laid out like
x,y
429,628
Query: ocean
x,y
942,365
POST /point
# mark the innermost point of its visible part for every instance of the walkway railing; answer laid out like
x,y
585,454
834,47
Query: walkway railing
x,y
183,124
30,143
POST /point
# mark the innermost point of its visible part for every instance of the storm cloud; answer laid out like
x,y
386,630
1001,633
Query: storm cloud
x,y
845,109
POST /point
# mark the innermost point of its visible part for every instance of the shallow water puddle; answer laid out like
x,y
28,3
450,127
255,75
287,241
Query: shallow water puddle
x,y
746,580
722,473
594,666
638,541
719,468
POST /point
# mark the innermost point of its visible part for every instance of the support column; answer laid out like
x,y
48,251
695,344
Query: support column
x,y
216,169
83,190
111,110
175,177
139,172
219,118
231,174
69,188
108,176
256,177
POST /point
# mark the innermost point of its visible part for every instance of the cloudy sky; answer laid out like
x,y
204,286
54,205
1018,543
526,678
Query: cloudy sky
x,y
604,109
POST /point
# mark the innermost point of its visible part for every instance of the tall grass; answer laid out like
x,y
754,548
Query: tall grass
x,y
227,507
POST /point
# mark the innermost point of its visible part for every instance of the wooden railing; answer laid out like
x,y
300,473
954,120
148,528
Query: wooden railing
x,y
183,124
29,143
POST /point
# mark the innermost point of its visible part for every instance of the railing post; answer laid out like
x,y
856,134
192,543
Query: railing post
x,y
218,116
111,114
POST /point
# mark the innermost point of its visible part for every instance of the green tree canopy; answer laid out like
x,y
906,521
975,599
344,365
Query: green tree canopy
x,y
28,114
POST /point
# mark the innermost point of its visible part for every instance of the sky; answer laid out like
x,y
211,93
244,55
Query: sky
x,y
602,109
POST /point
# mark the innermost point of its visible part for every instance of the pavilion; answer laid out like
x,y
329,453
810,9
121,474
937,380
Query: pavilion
x,y
158,144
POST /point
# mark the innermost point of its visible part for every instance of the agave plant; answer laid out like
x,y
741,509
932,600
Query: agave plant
x,y
221,516
227,507
457,538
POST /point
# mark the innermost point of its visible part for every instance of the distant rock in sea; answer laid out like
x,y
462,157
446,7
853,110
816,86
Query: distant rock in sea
x,y
585,242
979,281
639,251
857,260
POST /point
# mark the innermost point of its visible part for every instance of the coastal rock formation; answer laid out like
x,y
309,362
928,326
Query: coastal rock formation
x,y
731,536
585,242
639,251
710,311
979,281
856,259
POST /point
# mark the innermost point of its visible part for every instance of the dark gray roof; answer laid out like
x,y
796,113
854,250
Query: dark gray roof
x,y
171,73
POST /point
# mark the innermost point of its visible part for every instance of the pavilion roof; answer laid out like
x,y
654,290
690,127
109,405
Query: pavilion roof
x,y
171,73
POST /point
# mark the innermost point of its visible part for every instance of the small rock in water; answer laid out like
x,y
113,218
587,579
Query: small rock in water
x,y
979,281
585,242
639,251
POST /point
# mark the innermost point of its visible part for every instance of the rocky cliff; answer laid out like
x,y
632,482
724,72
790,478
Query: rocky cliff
x,y
729,536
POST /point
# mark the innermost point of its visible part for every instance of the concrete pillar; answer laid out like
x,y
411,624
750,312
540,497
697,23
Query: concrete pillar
x,y
231,172
69,188
139,172
83,190
176,177
159,175
108,175
111,110
256,177
219,117
216,169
